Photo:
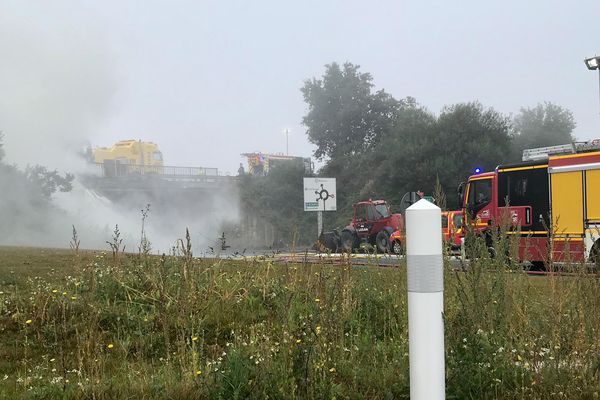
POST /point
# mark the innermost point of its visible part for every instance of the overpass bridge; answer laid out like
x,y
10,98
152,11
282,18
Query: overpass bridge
x,y
110,178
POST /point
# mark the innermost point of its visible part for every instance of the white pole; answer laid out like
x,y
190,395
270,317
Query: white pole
x,y
425,283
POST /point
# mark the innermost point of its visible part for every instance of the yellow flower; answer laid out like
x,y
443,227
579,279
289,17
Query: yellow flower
x,y
198,373
110,346
52,360
332,369
28,322
318,329
317,300
64,293
194,338
55,291
298,340
73,297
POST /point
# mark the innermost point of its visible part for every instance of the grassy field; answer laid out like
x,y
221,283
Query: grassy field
x,y
99,325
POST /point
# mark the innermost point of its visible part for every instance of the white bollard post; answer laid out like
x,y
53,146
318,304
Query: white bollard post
x,y
425,283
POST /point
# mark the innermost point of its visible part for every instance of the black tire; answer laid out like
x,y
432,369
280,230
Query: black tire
x,y
349,240
538,266
397,247
383,241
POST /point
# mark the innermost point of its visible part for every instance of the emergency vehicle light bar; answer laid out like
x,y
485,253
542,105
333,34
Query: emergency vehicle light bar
x,y
542,153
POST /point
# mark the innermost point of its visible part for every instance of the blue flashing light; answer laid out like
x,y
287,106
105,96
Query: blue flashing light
x,y
478,170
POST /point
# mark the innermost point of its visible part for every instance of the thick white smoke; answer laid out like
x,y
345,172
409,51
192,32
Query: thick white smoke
x,y
57,84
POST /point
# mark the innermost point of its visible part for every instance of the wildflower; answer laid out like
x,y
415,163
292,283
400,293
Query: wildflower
x,y
194,338
198,373
332,369
64,293
28,322
52,360
298,340
73,297
110,346
318,329
55,291
317,300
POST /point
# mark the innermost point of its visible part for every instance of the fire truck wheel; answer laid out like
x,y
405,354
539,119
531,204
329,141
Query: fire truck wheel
x,y
383,241
349,240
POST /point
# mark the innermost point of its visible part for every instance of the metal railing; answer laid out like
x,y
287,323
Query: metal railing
x,y
113,170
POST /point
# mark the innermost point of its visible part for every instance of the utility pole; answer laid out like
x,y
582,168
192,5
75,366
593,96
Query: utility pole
x,y
287,148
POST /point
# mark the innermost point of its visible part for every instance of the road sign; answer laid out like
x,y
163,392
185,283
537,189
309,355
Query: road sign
x,y
319,194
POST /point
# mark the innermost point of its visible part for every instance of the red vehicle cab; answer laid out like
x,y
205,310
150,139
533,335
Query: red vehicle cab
x,y
452,229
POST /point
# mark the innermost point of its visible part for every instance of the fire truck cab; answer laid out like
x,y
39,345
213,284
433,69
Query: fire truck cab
x,y
552,197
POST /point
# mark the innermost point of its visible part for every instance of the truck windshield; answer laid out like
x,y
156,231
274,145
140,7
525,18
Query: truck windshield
x,y
382,210
479,194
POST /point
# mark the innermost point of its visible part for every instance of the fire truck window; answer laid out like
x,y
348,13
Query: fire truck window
x,y
444,221
480,194
522,187
372,215
382,210
361,212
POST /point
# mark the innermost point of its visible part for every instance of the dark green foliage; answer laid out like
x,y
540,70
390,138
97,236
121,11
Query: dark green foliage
x,y
345,117
380,147
49,181
546,124
278,199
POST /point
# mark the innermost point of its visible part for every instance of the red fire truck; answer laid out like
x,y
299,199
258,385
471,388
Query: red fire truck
x,y
553,197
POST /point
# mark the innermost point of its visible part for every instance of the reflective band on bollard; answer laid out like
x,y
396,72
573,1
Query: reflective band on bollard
x,y
425,283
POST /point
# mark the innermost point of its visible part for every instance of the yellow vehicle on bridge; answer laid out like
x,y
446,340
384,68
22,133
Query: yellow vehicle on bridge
x,y
132,152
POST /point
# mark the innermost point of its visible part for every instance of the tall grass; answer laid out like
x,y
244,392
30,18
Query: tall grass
x,y
174,326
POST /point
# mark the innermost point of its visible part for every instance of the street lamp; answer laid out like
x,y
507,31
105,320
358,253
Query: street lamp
x,y
592,64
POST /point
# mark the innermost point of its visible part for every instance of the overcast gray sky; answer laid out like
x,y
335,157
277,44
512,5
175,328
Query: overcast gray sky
x,y
208,80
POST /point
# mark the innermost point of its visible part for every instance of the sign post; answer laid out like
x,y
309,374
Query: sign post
x,y
319,196
319,223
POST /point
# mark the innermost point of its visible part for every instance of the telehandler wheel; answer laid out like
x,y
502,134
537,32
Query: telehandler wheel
x,y
383,241
397,247
349,240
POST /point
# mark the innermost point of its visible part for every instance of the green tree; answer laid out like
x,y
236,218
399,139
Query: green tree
x,y
345,118
546,124
47,181
277,199
423,147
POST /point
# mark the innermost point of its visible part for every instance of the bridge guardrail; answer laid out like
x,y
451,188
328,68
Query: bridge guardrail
x,y
118,170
